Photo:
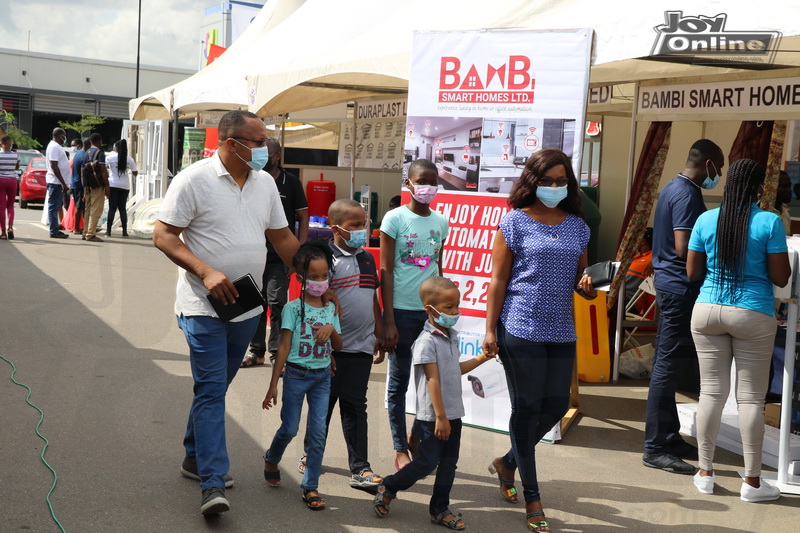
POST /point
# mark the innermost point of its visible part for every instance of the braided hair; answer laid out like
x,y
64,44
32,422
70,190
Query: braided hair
x,y
744,178
122,152
314,249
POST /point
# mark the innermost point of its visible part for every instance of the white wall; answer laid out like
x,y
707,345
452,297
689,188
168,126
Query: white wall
x,y
61,73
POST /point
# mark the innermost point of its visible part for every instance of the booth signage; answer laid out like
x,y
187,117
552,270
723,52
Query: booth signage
x,y
489,100
769,95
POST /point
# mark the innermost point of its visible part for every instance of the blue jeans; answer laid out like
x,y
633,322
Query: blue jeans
x,y
315,387
675,356
54,204
432,454
409,326
215,350
539,377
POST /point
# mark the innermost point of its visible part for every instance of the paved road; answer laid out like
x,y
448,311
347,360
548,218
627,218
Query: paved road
x,y
91,330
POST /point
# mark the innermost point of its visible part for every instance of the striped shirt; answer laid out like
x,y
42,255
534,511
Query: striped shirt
x,y
355,280
8,164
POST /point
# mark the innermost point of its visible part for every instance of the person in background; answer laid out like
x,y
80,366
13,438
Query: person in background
x,y
119,163
9,164
412,237
214,242
94,196
57,175
641,268
739,252
275,283
679,205
539,255
783,195
77,185
394,203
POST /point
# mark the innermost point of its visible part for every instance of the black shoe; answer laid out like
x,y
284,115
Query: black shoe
x,y
189,469
668,463
214,501
60,235
108,233
684,450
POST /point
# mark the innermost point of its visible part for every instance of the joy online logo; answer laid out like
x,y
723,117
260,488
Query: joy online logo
x,y
510,82
707,35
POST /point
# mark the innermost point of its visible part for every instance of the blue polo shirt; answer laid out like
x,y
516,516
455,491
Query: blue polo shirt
x,y
765,235
679,205
77,165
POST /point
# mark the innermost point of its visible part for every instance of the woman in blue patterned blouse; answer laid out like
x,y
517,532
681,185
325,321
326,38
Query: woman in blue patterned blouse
x,y
539,254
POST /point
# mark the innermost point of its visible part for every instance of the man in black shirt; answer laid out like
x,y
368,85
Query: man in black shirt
x,y
275,283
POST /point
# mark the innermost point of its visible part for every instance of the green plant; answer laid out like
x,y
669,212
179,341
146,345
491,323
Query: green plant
x,y
86,123
18,136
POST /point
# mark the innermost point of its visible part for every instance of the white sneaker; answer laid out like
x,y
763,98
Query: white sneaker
x,y
764,493
705,484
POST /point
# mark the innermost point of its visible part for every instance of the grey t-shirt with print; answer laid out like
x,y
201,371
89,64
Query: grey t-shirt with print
x,y
433,346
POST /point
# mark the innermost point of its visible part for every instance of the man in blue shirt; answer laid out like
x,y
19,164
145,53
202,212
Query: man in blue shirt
x,y
77,185
679,205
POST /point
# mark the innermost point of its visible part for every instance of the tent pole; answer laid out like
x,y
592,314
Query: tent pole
x,y
283,137
353,156
174,161
631,161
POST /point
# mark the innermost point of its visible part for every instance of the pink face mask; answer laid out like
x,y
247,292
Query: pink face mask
x,y
424,194
316,288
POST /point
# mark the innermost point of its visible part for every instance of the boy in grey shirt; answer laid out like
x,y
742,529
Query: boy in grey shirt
x,y
437,427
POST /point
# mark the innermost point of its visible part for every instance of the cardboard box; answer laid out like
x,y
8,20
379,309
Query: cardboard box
x,y
772,415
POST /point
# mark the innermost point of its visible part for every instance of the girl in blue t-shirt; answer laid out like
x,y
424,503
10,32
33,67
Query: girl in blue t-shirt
x,y
539,255
310,332
741,251
412,237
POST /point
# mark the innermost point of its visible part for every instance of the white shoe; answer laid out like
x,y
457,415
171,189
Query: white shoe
x,y
705,484
764,493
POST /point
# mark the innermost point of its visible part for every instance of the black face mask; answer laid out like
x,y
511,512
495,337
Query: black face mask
x,y
270,166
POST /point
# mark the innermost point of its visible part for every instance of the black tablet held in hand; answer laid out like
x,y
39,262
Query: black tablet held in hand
x,y
601,273
249,298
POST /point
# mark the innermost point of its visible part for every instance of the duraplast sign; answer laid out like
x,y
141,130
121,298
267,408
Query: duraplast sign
x,y
513,72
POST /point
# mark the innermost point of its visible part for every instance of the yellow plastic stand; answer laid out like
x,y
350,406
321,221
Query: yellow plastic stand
x,y
591,326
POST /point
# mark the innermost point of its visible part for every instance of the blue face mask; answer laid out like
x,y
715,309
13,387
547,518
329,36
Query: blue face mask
x,y
446,321
358,237
551,196
711,181
258,157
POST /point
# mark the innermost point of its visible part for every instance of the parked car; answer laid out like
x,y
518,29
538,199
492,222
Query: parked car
x,y
25,157
33,186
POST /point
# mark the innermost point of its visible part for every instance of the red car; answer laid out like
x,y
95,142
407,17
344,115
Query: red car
x,y
32,186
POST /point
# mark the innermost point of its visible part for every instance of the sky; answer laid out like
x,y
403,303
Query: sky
x,y
106,29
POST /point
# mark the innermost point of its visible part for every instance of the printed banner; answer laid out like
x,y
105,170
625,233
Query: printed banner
x,y
479,104
378,135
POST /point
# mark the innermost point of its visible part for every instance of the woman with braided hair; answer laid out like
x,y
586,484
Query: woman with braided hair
x,y
741,251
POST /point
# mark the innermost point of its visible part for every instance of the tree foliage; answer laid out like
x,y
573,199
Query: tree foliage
x,y
86,123
18,136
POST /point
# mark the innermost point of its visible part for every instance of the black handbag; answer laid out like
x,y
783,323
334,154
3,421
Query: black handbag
x,y
601,273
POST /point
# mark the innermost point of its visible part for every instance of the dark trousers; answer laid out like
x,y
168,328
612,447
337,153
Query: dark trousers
x,y
432,454
117,198
409,326
675,356
349,387
275,289
539,377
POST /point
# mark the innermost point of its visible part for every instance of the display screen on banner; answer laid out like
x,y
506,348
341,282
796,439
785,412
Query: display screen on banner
x,y
480,103
378,136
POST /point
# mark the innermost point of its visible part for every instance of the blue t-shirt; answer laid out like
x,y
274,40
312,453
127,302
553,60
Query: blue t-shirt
x,y
538,304
304,349
418,245
679,205
765,236
77,165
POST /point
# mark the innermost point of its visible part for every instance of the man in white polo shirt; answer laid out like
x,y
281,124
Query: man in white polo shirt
x,y
57,184
212,225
